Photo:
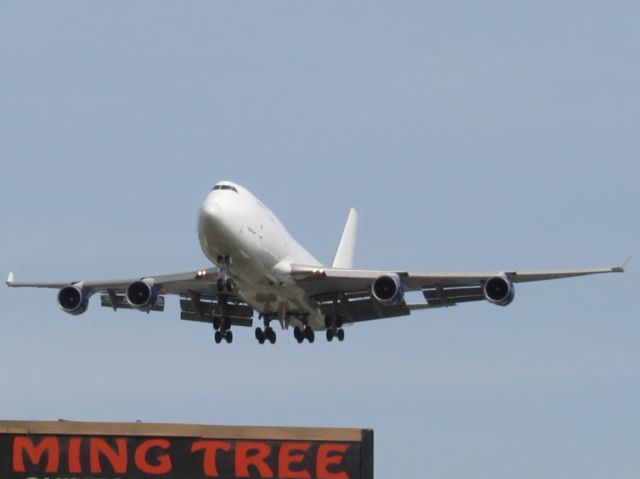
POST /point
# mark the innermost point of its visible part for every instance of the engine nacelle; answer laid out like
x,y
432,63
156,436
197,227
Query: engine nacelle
x,y
499,290
73,300
388,289
142,295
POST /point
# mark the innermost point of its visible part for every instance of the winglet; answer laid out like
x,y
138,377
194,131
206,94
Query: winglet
x,y
623,267
10,279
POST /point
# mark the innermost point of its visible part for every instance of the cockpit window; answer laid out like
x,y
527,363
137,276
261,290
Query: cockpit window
x,y
225,187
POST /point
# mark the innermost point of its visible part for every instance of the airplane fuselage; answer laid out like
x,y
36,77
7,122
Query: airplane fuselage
x,y
234,224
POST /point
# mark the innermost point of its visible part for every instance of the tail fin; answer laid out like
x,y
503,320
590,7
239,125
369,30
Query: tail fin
x,y
347,246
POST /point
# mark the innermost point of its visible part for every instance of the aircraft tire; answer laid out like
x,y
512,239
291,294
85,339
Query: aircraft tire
x,y
271,335
340,334
218,337
329,335
228,336
260,335
309,334
298,334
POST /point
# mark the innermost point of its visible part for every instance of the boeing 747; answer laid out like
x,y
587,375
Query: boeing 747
x,y
260,268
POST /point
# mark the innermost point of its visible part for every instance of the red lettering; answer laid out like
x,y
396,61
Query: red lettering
x,y
210,449
258,459
164,461
74,455
100,447
286,458
48,446
325,460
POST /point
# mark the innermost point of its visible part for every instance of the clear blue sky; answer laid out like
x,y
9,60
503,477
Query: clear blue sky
x,y
470,136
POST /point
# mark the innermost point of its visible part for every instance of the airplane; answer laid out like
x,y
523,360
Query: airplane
x,y
259,267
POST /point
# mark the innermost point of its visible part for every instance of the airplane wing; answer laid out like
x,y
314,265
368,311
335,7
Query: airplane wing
x,y
168,282
348,292
199,296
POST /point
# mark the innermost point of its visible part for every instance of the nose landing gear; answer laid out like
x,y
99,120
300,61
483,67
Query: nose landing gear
x,y
225,283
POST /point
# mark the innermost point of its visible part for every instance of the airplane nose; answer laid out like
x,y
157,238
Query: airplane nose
x,y
211,212
212,230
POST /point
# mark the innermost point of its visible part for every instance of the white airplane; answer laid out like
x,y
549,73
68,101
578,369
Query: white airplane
x,y
260,267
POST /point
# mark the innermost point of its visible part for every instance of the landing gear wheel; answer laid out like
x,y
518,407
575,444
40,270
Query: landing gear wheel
x,y
218,337
220,285
228,336
216,323
226,323
309,334
270,334
329,335
340,334
260,335
229,286
298,334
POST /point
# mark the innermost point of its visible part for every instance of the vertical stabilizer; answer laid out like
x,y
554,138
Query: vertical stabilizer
x,y
347,246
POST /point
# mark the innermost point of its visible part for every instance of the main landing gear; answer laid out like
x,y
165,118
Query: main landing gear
x,y
338,334
222,323
302,334
334,328
223,330
226,335
266,334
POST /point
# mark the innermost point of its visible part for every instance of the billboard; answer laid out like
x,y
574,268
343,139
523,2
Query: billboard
x,y
69,449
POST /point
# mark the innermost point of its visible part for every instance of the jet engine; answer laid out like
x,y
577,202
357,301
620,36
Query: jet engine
x,y
388,289
142,295
73,300
499,290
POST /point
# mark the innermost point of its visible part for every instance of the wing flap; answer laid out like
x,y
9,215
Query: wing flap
x,y
206,309
235,321
450,295
118,301
360,307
